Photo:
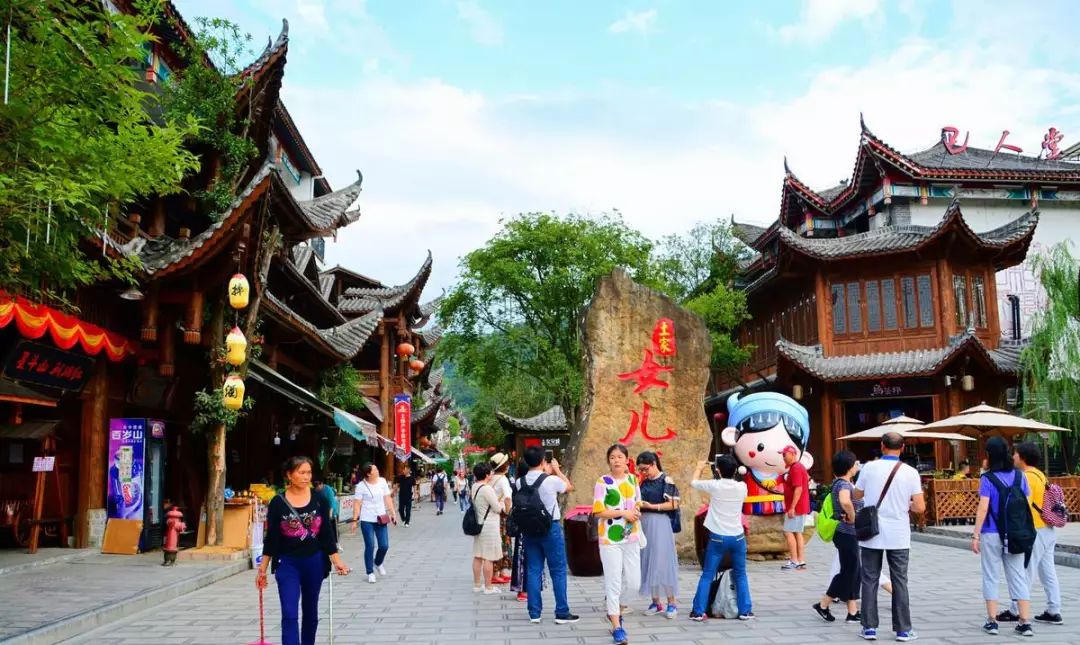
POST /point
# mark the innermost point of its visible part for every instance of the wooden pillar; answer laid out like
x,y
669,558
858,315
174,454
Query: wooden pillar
x,y
93,446
827,432
157,219
150,315
824,311
384,394
947,327
167,357
194,322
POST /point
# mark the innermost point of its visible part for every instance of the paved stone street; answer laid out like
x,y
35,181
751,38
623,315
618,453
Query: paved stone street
x,y
427,598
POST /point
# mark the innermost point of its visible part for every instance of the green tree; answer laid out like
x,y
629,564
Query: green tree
x,y
513,316
77,143
698,270
1050,364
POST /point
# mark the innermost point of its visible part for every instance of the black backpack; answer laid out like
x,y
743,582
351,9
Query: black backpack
x,y
1013,516
528,515
440,486
469,524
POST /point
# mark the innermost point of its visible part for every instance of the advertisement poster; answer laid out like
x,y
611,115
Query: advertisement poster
x,y
126,449
403,422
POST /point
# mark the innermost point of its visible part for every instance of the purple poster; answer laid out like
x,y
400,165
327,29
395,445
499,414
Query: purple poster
x,y
126,448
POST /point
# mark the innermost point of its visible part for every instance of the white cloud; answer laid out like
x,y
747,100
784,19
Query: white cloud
x,y
485,29
443,163
639,22
313,12
819,18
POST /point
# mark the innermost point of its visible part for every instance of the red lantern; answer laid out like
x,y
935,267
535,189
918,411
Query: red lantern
x,y
416,365
424,442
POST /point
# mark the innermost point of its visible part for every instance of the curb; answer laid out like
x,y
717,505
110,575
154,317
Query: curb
x,y
1061,558
76,554
76,625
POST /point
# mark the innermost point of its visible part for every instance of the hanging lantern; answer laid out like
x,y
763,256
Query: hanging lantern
x,y
238,291
233,392
236,347
416,365
405,349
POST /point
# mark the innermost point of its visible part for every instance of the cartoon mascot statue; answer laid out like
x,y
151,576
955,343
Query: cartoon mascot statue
x,y
760,426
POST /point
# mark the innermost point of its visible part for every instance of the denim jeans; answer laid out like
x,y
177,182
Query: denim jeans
x,y
718,546
463,502
440,501
299,581
551,548
373,531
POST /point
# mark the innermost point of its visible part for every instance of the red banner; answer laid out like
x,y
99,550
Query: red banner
x,y
34,321
663,337
403,422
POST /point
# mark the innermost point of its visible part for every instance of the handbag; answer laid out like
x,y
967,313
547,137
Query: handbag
x,y
866,520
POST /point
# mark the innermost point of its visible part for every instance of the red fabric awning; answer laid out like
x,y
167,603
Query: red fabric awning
x,y
34,321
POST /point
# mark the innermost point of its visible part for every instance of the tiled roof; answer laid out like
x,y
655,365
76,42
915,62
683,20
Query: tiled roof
x,y
331,211
937,156
829,193
427,413
550,420
270,52
359,300
921,362
747,233
300,255
897,239
435,377
165,253
431,336
326,285
345,340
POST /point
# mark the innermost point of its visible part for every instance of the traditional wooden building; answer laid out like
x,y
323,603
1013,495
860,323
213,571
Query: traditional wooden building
x,y
863,315
548,430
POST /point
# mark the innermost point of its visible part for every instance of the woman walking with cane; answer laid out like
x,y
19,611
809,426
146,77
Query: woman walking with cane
x,y
299,549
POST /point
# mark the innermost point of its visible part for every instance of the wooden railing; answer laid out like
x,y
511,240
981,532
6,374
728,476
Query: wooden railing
x,y
951,501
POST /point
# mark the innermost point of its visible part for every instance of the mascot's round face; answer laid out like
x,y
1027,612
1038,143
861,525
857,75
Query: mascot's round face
x,y
760,451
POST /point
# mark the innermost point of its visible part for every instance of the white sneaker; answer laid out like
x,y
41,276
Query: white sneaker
x,y
477,589
371,578
381,569
492,590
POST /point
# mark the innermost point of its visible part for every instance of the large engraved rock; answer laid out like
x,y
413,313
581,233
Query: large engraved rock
x,y
647,364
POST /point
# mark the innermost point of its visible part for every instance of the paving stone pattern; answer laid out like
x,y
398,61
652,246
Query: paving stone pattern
x,y
427,598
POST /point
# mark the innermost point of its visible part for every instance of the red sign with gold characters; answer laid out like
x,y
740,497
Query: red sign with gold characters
x,y
663,337
403,422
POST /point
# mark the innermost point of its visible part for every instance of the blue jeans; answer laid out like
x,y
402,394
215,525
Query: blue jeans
x,y
373,531
463,501
551,548
718,546
440,501
299,581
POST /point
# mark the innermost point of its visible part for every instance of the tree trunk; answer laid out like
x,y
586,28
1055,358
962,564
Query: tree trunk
x,y
215,496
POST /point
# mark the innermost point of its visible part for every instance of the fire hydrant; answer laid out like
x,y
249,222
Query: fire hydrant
x,y
174,525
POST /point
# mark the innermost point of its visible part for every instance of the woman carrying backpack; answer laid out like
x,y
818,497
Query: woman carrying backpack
x,y
659,512
997,488
845,584
486,547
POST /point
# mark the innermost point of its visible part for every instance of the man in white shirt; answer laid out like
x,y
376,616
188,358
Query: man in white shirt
x,y
893,541
550,548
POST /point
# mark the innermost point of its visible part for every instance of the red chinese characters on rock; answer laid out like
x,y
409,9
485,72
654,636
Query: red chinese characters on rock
x,y
663,337
648,376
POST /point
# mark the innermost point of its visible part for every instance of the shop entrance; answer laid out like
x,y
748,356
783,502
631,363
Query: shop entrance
x,y
863,414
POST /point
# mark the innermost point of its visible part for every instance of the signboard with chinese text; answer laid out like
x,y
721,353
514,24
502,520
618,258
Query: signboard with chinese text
x,y
663,337
49,366
403,422
44,464
885,388
127,439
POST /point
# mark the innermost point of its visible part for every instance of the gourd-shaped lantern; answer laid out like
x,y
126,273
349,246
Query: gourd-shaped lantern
x,y
416,365
405,349
233,392
238,291
236,347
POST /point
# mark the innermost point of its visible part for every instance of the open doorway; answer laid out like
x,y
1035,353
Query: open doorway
x,y
863,414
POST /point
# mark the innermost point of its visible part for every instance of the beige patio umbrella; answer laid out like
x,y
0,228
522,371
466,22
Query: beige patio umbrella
x,y
909,428
987,420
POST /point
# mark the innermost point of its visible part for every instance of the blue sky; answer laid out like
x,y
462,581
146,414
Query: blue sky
x,y
673,112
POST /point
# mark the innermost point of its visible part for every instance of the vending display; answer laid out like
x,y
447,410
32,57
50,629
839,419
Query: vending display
x,y
135,481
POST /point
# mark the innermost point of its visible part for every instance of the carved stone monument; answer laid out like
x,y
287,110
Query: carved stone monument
x,y
647,364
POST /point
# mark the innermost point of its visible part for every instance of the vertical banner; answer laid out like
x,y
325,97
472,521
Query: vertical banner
x,y
403,422
127,439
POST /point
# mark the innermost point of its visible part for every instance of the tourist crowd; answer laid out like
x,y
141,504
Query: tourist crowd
x,y
865,514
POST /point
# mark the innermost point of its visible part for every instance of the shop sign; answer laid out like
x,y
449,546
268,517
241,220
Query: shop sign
x,y
543,442
48,366
886,388
403,422
44,464
127,438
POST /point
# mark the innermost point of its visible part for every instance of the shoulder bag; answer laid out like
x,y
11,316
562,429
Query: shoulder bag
x,y
866,520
